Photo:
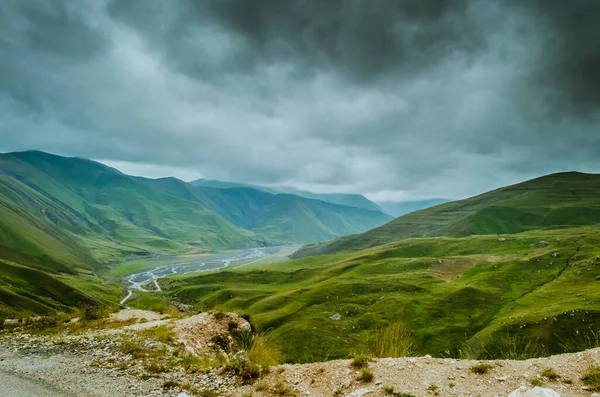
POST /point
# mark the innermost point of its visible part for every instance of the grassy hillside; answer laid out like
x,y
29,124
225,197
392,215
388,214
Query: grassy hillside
x,y
278,218
58,207
480,296
558,200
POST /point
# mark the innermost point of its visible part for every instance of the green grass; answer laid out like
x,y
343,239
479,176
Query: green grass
x,y
452,297
558,200
591,378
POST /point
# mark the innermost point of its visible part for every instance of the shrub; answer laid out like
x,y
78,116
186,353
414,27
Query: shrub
x,y
247,371
265,351
222,342
281,389
536,382
170,384
592,378
365,376
360,361
389,391
480,368
131,347
550,374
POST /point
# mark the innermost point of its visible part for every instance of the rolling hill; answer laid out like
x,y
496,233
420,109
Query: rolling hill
x,y
557,200
471,297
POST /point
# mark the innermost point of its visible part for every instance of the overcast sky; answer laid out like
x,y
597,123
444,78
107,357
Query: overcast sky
x,y
392,99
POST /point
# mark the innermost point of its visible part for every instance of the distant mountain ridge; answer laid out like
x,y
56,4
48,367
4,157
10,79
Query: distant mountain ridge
x,y
557,200
279,218
54,207
352,200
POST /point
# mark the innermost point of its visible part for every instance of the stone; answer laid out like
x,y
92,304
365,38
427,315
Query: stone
x,y
535,392
502,239
542,244
359,392
554,254
336,317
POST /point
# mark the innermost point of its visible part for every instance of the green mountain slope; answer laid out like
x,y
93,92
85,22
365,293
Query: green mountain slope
x,y
351,200
279,218
90,201
558,200
477,297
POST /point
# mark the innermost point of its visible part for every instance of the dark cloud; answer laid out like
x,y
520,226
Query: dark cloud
x,y
391,98
568,67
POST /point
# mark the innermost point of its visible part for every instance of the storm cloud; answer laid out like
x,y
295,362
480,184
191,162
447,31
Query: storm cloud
x,y
393,99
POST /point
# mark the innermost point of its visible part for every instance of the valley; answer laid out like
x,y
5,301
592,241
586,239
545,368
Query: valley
x,y
512,274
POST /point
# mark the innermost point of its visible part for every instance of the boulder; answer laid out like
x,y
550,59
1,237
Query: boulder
x,y
535,392
336,317
542,244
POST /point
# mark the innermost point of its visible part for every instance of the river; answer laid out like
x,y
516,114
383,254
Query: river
x,y
205,263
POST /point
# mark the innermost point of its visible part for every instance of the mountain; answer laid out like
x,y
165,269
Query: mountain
x,y
557,200
278,218
398,208
64,220
351,200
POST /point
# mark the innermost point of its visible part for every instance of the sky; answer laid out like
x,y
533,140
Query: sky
x,y
394,99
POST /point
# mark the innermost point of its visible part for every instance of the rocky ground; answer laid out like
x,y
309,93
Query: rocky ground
x,y
132,357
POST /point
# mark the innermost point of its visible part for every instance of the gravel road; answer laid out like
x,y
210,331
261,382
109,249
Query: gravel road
x,y
14,385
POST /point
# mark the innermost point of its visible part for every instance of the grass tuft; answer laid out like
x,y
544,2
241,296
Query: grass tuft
x,y
592,378
360,361
365,376
480,368
394,341
550,374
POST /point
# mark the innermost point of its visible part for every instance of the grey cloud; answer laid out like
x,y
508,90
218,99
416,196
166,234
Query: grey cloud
x,y
418,98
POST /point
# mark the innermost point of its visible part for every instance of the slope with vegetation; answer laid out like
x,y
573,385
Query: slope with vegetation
x,y
482,296
557,200
74,216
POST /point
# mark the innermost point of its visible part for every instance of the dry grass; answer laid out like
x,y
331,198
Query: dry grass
x,y
394,341
265,351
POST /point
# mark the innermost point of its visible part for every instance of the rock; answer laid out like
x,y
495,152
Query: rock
x,y
183,394
336,317
542,244
182,307
554,254
502,378
535,392
502,239
595,395
359,392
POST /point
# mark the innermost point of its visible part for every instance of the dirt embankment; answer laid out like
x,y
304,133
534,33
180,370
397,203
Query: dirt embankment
x,y
94,363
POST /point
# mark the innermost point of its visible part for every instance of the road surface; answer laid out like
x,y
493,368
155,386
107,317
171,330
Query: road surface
x,y
17,386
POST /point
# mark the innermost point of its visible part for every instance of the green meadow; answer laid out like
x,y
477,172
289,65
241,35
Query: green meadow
x,y
479,296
